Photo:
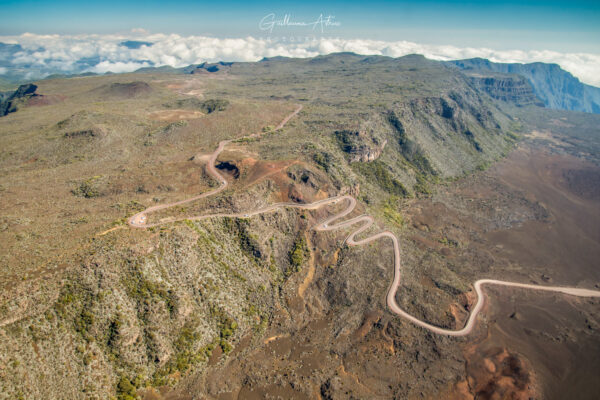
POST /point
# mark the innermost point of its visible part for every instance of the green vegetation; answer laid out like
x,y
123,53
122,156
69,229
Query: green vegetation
x,y
66,297
378,172
483,166
471,138
409,149
297,254
87,188
84,322
268,129
212,105
345,140
391,213
208,106
141,289
248,242
226,326
185,356
81,133
449,242
512,136
172,127
245,140
422,186
113,332
323,160
126,390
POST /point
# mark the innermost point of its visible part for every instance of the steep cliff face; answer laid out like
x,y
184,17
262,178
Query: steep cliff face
x,y
556,87
454,133
509,88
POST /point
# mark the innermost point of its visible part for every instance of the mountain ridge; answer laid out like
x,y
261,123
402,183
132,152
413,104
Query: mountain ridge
x,y
557,88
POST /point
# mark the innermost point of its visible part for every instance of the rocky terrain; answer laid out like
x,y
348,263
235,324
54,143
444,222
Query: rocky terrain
x,y
92,308
510,88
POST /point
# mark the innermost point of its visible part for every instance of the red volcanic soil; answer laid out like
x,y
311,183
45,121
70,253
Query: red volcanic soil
x,y
124,90
45,100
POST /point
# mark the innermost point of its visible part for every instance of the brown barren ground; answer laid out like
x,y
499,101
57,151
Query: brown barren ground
x,y
540,345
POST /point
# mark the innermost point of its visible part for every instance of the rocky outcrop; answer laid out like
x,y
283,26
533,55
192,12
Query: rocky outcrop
x,y
366,154
359,146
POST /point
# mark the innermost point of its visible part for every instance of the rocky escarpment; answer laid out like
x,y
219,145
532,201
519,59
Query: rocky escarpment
x,y
448,135
509,88
556,87
410,144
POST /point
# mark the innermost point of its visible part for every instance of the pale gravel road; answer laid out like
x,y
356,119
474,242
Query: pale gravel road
x,y
364,222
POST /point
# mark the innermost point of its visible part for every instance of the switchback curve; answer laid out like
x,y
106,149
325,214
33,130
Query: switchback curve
x,y
364,222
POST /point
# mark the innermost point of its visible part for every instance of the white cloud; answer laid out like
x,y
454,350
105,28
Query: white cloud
x,y
3,70
101,53
139,31
117,67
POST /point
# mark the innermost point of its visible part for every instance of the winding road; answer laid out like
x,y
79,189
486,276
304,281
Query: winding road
x,y
363,222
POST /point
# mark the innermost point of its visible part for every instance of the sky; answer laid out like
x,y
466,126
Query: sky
x,y
566,32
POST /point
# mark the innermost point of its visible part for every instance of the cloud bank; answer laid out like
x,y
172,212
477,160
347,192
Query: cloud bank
x,y
46,54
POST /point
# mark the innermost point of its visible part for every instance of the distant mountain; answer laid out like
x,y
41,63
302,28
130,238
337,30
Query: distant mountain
x,y
135,44
556,87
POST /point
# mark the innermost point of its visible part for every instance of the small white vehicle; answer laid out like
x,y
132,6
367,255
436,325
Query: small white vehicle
x,y
246,215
